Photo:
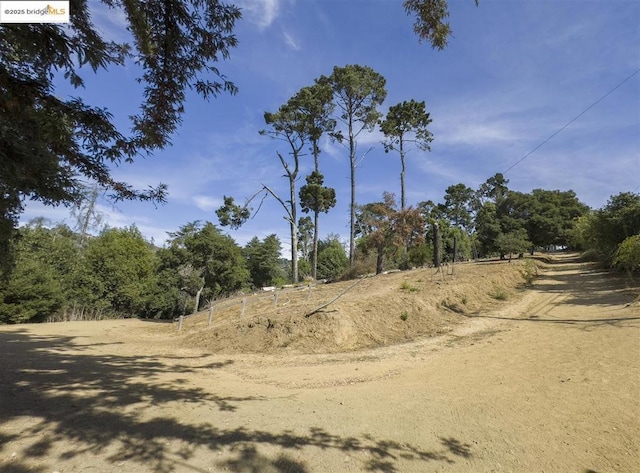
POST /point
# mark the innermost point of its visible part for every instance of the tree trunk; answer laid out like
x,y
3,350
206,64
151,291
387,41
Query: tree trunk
x,y
380,260
314,255
455,248
352,229
316,213
86,219
403,199
436,245
294,229
197,304
474,249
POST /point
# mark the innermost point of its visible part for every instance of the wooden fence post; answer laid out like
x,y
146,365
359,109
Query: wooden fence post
x,y
244,305
309,292
180,323
275,299
210,314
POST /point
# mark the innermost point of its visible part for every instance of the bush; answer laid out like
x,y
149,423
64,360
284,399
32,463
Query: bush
x,y
332,260
360,268
529,271
406,286
627,257
499,294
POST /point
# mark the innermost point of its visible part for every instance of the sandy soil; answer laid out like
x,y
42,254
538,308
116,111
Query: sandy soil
x,y
548,381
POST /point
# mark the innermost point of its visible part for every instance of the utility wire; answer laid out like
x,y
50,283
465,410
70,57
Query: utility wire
x,y
570,122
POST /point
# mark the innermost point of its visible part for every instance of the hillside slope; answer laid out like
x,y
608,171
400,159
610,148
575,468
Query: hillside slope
x,y
381,310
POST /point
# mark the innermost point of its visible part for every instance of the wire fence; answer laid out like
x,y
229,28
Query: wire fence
x,y
245,302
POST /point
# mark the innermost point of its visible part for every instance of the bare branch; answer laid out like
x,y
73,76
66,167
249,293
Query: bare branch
x,y
282,202
364,156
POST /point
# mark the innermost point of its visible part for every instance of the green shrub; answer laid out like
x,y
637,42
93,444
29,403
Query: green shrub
x,y
405,286
499,294
627,257
529,271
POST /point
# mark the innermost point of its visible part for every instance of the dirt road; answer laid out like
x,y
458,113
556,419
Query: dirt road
x,y
550,383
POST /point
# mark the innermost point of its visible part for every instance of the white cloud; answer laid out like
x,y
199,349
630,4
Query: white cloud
x,y
260,12
110,22
290,41
206,203
476,134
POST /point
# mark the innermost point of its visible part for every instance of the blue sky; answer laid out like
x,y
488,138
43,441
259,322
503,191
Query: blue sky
x,y
515,72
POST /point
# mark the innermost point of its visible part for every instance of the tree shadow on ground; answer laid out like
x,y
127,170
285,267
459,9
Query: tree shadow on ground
x,y
588,287
61,401
585,324
587,284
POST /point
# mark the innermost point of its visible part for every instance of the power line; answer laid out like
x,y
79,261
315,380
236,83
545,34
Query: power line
x,y
570,122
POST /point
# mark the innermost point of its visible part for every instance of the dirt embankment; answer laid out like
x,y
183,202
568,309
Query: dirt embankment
x,y
378,311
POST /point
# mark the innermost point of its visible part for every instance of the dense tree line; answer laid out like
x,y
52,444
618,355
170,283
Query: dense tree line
x,y
61,274
612,233
117,273
489,221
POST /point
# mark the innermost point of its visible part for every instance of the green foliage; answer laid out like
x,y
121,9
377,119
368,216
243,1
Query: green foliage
x,y
406,123
332,258
458,201
43,274
263,260
119,270
529,271
404,315
513,242
627,257
551,216
231,214
305,237
455,239
406,286
420,255
357,91
605,229
303,118
487,228
315,104
499,294
206,258
431,20
387,230
304,269
314,197
494,189
577,236
32,292
50,144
